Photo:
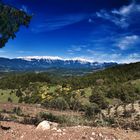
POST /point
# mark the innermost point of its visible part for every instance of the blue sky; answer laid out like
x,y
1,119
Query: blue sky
x,y
98,30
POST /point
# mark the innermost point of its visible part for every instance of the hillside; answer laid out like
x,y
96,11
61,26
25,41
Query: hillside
x,y
107,98
114,75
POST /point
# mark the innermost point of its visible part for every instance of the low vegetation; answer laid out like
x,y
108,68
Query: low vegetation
x,y
98,97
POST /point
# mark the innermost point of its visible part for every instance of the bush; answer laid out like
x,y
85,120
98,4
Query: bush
x,y
99,99
10,100
61,119
1,117
110,121
59,103
47,116
92,109
127,113
18,93
17,110
31,120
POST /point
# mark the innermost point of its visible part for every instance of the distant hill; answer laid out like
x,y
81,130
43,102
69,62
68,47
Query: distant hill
x,y
50,64
114,75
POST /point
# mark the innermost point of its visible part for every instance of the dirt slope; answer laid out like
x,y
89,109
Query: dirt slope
x,y
29,132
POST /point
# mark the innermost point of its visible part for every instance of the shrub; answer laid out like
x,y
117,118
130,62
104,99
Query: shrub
x,y
110,121
17,110
92,109
61,119
99,99
31,120
10,100
18,93
46,116
1,117
59,103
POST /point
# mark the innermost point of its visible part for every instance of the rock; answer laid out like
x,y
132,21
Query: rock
x,y
22,137
91,138
93,133
54,128
100,135
45,125
53,124
59,130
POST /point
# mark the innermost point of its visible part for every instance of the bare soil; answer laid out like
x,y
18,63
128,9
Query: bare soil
x,y
32,109
29,132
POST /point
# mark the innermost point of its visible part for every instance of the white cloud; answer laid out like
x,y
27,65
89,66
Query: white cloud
x,y
131,58
128,42
125,10
114,56
122,17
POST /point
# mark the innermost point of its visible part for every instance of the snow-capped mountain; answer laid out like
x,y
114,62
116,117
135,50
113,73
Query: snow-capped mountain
x,y
43,63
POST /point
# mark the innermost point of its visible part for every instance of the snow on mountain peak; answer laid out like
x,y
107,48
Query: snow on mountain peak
x,y
81,60
29,58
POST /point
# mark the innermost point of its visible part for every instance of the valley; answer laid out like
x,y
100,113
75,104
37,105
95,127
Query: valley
x,y
53,65
69,70
106,98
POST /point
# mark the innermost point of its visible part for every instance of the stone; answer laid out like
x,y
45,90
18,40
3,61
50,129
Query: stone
x,y
93,133
44,125
59,130
53,124
91,138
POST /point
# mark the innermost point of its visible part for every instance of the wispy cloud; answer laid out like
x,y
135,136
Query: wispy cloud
x,y
122,17
119,57
58,22
131,58
76,48
23,52
101,56
128,42
24,8
2,51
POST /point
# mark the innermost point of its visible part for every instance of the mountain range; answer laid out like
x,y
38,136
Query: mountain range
x,y
45,63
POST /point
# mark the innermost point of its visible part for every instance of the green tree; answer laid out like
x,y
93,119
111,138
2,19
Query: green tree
x,y
18,93
10,100
10,21
98,98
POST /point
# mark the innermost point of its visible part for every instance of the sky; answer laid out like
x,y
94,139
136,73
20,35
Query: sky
x,y
97,30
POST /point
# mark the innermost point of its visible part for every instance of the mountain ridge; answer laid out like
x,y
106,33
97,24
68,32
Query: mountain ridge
x,y
44,63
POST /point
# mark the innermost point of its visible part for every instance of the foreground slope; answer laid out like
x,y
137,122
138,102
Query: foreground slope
x,y
28,132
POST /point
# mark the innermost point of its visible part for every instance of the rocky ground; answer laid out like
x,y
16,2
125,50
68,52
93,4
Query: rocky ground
x,y
29,132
